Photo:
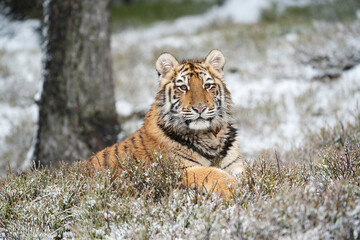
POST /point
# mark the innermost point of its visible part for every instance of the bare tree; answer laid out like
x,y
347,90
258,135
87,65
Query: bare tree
x,y
77,107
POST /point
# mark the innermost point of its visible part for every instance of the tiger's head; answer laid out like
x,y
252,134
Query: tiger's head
x,y
192,94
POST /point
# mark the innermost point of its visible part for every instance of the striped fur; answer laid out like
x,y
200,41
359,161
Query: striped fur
x,y
191,121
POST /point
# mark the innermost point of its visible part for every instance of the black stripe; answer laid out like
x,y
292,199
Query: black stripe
x,y
221,89
185,70
91,161
132,139
174,103
143,145
230,139
201,68
173,111
185,142
218,103
188,159
207,147
169,94
236,159
160,102
182,68
105,153
106,156
162,97
116,151
98,160
191,66
161,93
210,147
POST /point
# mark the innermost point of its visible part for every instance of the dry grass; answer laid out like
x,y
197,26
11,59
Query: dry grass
x,y
279,198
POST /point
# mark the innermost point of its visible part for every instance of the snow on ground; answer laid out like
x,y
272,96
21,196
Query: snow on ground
x,y
18,35
246,11
332,103
180,34
149,42
277,101
20,68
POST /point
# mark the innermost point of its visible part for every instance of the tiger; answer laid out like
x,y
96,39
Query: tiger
x,y
191,121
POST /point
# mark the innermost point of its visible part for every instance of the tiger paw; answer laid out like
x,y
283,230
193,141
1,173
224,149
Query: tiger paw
x,y
210,180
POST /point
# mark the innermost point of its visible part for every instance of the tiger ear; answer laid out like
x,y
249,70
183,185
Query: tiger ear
x,y
165,63
216,59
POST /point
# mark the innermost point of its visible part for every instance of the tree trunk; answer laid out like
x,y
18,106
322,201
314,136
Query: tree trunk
x,y
77,106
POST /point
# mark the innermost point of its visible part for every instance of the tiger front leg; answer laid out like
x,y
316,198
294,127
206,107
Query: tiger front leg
x,y
210,179
236,170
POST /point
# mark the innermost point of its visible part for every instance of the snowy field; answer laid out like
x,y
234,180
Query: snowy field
x,y
286,83
280,95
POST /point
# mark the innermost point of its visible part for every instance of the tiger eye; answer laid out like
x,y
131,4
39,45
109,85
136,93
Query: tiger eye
x,y
208,86
183,87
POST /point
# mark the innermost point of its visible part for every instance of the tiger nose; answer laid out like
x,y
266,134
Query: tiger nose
x,y
199,108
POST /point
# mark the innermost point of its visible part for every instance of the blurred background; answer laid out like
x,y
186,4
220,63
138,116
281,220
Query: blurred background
x,y
292,65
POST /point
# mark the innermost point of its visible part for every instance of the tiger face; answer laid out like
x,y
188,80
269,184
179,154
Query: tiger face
x,y
192,94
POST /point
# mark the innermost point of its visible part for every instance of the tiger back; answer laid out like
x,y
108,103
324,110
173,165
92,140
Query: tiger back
x,y
190,120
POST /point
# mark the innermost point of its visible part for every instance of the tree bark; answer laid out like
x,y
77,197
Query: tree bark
x,y
77,107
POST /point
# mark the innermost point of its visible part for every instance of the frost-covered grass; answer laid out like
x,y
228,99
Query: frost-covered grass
x,y
290,75
280,198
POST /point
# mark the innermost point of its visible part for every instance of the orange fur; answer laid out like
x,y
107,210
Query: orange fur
x,y
191,121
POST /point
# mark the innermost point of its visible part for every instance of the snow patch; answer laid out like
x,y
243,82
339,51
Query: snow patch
x,y
18,35
245,11
11,116
124,108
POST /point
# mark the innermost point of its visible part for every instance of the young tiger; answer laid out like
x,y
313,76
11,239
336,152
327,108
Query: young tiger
x,y
191,121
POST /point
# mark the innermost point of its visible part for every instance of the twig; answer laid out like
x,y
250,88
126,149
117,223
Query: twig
x,y
277,161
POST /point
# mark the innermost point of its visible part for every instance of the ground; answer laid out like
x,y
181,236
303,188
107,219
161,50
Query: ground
x,y
289,76
316,199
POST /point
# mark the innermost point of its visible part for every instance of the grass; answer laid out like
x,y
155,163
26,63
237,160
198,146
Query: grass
x,y
280,197
149,12
4,70
327,10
